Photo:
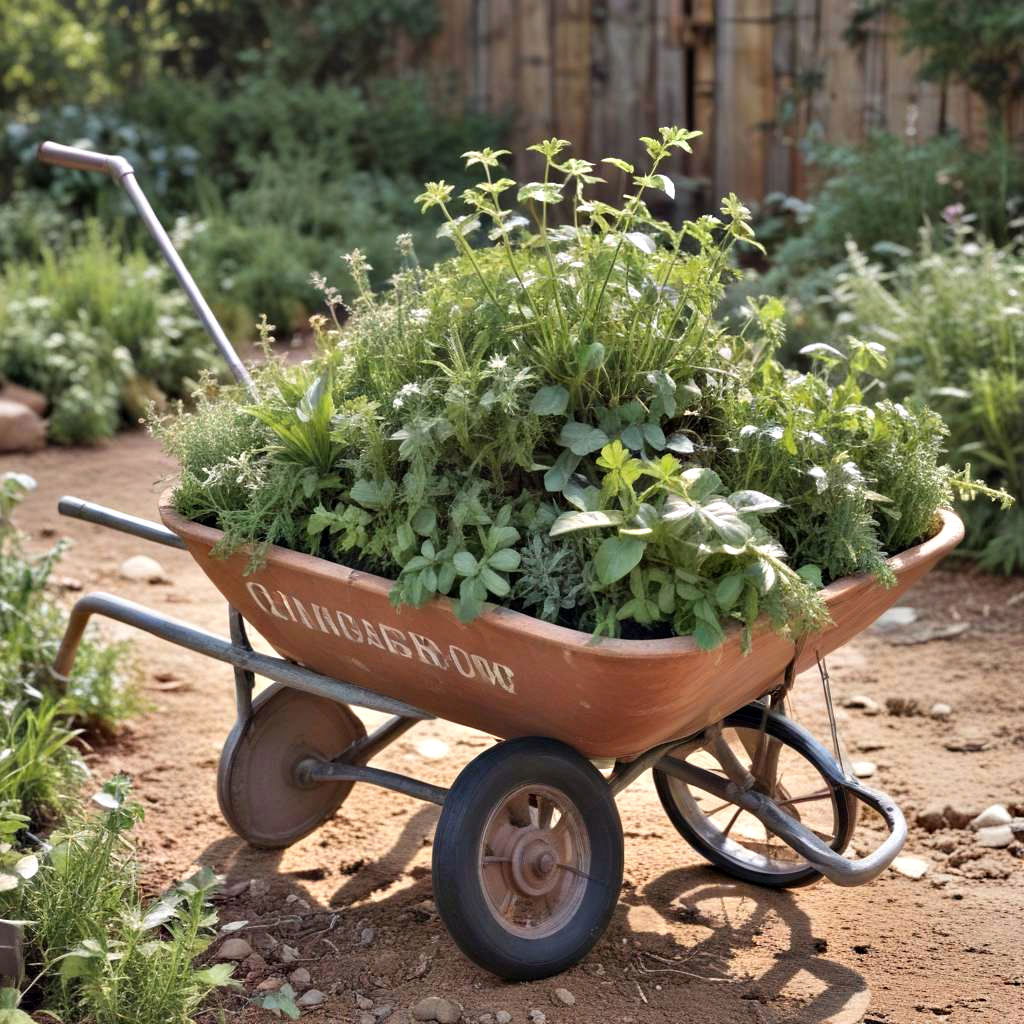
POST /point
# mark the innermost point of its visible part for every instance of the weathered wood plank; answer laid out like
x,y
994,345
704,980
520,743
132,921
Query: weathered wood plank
x,y
572,73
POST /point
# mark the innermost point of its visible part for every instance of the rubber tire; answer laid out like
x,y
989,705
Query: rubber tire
x,y
241,810
481,786
844,807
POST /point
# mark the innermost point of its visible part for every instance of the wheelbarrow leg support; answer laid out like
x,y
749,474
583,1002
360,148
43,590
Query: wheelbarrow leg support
x,y
202,642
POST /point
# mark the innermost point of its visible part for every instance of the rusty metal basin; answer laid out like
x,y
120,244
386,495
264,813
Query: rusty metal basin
x,y
510,674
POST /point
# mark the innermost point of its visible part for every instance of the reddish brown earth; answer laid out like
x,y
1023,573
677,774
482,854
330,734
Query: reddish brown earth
x,y
686,944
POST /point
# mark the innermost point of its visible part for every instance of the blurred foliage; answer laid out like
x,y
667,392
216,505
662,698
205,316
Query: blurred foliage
x,y
276,125
977,42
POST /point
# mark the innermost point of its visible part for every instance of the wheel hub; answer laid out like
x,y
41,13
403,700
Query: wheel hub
x,y
534,862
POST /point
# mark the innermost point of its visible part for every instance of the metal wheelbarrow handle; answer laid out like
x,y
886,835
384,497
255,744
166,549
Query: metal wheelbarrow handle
x,y
833,865
124,174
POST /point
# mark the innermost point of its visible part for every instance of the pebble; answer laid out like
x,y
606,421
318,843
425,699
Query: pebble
x,y
563,997
383,1012
259,887
234,949
863,703
503,1017
143,569
894,618
940,712
997,814
932,818
911,867
967,744
300,979
864,769
271,984
363,1003
366,936
538,1017
439,1009
432,748
288,954
367,1018
995,836
314,997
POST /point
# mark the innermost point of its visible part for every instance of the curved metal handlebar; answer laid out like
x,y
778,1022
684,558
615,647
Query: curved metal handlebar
x,y
124,174
83,159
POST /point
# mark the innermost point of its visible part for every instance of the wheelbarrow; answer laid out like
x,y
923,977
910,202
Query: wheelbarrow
x,y
528,849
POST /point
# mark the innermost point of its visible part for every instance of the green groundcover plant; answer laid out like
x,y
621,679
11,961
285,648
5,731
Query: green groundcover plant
x,y
553,419
953,320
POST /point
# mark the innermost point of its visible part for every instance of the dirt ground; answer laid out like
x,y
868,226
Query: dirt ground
x,y
353,903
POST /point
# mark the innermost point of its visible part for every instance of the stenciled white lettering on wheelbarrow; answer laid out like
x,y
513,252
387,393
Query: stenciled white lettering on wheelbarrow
x,y
400,643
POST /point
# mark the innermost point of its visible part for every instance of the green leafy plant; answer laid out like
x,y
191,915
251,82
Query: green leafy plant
x,y
954,325
564,397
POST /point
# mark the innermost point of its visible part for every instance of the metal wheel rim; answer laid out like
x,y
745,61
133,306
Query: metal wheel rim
x,y
260,796
751,855
534,861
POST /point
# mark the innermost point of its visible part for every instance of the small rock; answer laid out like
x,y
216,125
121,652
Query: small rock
x,y
254,963
300,979
366,936
946,845
383,1012
234,949
537,1017
940,712
997,814
894,619
314,997
432,749
563,997
266,942
864,769
72,583
926,633
503,1017
902,707
932,818
940,881
271,984
35,400
367,1018
862,703
967,744
233,889
363,1003
21,429
995,836
143,569
288,954
959,815
911,867
259,887
437,1008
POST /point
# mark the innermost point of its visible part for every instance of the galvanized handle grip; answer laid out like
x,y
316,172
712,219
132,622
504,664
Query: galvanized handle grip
x,y
82,159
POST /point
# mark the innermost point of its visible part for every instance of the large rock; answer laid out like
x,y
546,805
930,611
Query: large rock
x,y
21,429
35,400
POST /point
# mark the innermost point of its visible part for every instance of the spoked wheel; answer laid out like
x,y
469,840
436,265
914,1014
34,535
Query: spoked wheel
x,y
733,839
259,793
527,858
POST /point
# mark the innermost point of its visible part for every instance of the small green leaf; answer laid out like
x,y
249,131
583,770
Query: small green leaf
x,y
616,557
465,564
679,442
569,521
811,573
496,584
550,401
754,501
505,560
643,242
217,976
728,591
557,477
581,439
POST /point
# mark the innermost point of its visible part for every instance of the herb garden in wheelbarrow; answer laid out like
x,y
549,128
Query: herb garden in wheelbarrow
x,y
547,495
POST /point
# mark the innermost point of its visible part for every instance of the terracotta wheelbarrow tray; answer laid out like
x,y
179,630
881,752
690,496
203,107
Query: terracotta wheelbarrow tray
x,y
528,851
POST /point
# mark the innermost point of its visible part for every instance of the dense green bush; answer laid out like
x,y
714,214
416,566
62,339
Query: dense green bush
x,y
100,331
953,320
881,194
570,385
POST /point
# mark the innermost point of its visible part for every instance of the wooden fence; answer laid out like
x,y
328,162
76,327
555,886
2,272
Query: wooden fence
x,y
753,75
